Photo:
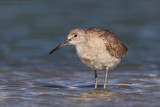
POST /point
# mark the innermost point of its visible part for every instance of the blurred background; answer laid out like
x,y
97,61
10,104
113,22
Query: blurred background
x,y
30,29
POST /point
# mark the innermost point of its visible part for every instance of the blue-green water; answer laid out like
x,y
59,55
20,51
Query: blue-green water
x,y
30,77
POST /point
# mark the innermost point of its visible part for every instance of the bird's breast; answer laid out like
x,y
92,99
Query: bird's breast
x,y
96,59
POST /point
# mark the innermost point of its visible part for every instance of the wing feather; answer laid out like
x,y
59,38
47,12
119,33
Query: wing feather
x,y
113,44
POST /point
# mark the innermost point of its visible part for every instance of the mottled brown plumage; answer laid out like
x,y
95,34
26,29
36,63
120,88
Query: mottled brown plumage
x,y
113,44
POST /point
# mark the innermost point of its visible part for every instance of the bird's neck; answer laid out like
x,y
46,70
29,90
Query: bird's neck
x,y
80,47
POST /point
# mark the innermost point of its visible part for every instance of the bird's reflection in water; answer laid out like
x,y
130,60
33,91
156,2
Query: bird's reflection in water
x,y
98,94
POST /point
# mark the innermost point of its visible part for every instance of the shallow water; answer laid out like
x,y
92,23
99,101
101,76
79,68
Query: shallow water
x,y
30,77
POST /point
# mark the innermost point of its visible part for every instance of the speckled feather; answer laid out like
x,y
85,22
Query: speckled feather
x,y
113,44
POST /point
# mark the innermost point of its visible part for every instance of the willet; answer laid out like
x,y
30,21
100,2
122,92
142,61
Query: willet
x,y
98,49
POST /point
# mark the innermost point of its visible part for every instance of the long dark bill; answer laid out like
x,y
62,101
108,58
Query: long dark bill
x,y
59,46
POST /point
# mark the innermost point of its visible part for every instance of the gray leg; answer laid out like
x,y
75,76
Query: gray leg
x,y
96,79
105,81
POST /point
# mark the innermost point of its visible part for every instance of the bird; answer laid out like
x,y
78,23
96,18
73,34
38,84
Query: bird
x,y
98,49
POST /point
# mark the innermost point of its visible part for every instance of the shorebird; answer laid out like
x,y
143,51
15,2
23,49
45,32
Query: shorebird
x,y
98,49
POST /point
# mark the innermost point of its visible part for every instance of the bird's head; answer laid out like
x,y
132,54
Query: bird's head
x,y
75,37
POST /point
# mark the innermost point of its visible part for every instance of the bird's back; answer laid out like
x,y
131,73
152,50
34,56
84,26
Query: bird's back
x,y
112,43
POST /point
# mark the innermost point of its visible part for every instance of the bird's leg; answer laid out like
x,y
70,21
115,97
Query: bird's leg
x,y
105,80
96,78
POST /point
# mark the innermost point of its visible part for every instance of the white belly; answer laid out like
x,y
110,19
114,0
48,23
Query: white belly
x,y
97,61
99,64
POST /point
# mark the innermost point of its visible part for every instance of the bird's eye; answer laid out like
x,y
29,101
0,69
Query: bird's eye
x,y
75,35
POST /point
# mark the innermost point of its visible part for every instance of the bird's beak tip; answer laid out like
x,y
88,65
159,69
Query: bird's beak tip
x,y
59,46
50,52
